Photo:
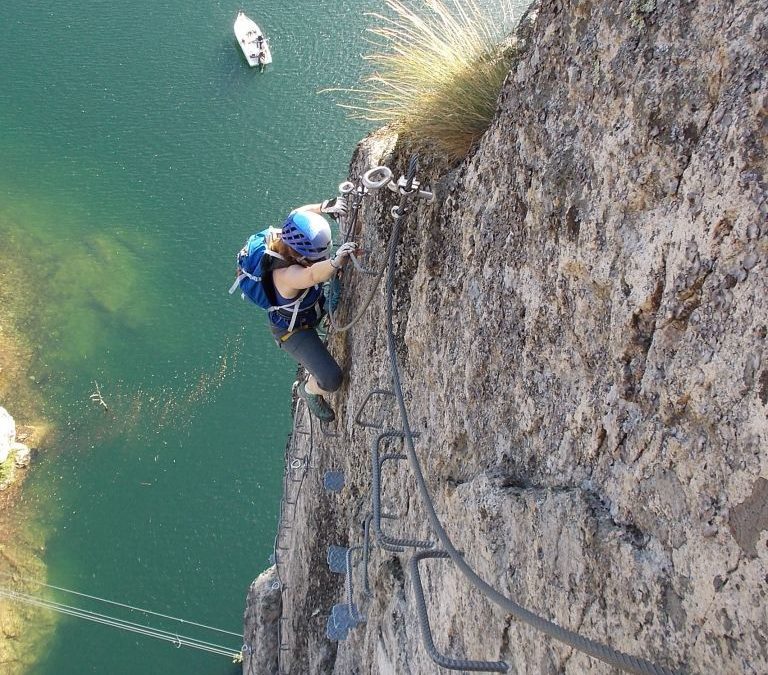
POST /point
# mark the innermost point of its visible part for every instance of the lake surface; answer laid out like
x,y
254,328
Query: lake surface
x,y
137,152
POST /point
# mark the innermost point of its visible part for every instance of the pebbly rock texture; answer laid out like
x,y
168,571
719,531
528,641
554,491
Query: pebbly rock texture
x,y
581,323
262,613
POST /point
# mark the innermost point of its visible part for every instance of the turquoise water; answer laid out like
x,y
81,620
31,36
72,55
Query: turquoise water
x,y
137,152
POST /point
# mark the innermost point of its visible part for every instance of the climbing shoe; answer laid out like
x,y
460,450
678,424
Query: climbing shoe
x,y
317,405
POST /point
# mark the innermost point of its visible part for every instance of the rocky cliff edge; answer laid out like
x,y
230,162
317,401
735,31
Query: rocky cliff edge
x,y
581,321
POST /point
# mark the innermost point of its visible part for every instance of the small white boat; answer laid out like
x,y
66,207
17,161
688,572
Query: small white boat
x,y
252,41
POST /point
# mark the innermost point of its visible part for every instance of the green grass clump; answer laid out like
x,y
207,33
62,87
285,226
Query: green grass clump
x,y
7,469
437,74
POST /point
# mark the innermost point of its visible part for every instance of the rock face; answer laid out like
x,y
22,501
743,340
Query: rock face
x,y
262,614
581,323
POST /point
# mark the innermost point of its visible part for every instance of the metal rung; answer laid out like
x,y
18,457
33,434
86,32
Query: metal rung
x,y
392,455
366,553
351,608
377,460
389,547
426,631
365,423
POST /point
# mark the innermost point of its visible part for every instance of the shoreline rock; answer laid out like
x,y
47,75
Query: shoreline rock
x,y
14,454
7,433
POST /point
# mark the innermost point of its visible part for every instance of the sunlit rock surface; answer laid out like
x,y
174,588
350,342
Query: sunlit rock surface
x,y
581,321
262,613
7,433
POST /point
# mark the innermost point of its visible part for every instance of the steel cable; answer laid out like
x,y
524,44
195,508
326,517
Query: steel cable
x,y
26,580
591,647
366,304
168,636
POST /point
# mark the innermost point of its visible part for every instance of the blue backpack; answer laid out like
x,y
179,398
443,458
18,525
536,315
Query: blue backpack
x,y
255,262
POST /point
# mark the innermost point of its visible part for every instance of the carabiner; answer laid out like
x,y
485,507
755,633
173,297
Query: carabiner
x,y
377,177
346,187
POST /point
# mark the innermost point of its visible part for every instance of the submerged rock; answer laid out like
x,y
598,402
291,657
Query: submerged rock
x,y
22,455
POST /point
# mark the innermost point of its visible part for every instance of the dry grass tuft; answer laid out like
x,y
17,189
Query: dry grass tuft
x,y
437,73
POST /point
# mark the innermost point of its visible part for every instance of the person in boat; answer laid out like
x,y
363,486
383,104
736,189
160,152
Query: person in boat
x,y
261,52
301,267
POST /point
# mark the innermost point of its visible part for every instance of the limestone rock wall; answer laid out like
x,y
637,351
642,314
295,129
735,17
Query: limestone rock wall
x,y
262,614
581,321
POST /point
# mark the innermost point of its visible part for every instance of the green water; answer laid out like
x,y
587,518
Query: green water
x,y
137,152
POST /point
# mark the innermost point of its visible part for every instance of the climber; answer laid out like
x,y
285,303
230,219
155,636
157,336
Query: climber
x,y
286,268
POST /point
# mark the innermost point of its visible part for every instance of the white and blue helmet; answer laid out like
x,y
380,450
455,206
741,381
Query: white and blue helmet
x,y
307,233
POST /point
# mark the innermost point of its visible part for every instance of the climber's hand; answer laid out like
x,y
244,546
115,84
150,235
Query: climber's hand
x,y
334,207
343,252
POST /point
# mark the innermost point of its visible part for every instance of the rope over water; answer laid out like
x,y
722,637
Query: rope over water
x,y
173,637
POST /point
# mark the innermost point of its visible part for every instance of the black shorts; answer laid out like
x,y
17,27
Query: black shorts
x,y
306,347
